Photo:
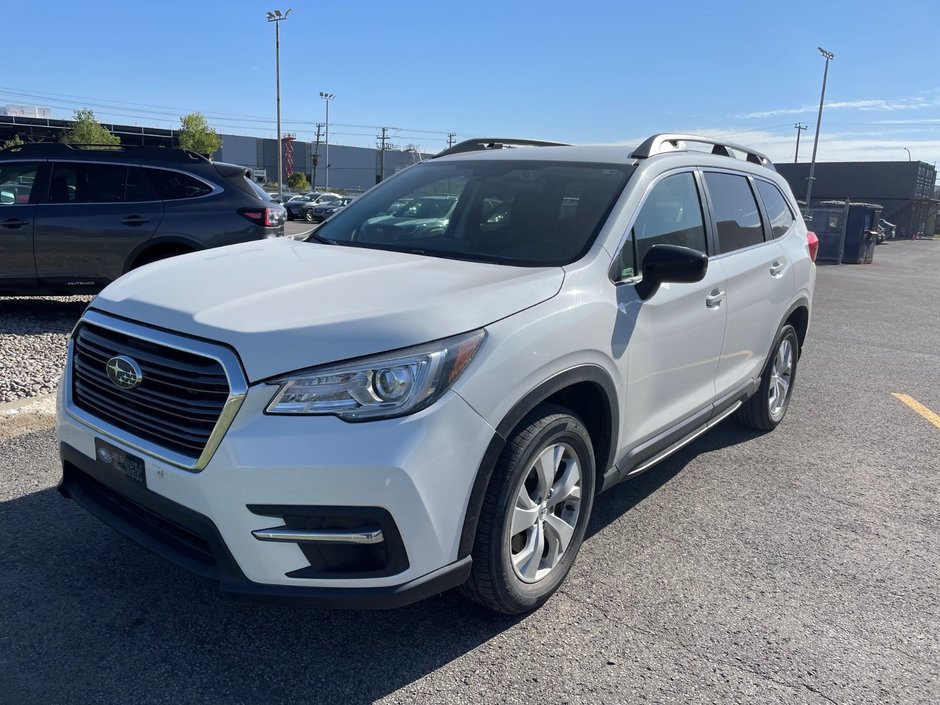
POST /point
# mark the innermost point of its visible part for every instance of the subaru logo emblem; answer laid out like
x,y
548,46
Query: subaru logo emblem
x,y
124,372
105,455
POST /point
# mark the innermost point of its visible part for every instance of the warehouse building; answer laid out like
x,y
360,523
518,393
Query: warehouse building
x,y
906,190
352,169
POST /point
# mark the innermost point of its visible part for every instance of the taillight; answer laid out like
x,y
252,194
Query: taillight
x,y
813,243
266,217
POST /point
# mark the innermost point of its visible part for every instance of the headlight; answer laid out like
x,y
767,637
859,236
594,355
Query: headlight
x,y
386,385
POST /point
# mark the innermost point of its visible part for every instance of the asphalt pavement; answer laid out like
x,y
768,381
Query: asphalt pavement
x,y
799,566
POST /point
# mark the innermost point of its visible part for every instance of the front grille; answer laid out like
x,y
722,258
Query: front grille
x,y
176,406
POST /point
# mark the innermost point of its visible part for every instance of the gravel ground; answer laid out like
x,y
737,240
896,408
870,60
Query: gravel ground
x,y
33,335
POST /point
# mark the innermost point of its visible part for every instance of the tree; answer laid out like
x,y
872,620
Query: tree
x,y
15,142
87,130
298,181
196,135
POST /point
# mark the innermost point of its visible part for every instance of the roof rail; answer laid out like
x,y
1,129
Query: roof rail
x,y
60,149
669,142
479,144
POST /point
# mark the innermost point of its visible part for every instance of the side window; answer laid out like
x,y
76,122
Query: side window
x,y
735,210
16,182
781,217
671,215
174,185
138,188
88,182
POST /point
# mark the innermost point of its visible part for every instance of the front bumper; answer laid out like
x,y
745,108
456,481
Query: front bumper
x,y
417,470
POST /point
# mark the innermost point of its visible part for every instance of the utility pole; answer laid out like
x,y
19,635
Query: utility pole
x,y
799,128
382,146
316,159
450,139
828,56
327,97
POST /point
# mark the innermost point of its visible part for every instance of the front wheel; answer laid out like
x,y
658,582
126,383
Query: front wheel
x,y
766,409
308,216
534,514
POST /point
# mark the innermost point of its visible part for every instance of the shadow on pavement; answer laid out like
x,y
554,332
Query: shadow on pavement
x,y
90,617
34,315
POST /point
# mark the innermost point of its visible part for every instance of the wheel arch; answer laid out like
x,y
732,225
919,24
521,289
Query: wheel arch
x,y
589,392
168,243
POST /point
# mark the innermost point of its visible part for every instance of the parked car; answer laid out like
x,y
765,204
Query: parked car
x,y
73,220
295,206
376,414
427,216
321,211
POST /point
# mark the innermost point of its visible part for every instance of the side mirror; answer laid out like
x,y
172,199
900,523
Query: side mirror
x,y
670,263
7,198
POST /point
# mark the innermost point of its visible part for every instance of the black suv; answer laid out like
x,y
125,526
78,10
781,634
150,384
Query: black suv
x,y
74,218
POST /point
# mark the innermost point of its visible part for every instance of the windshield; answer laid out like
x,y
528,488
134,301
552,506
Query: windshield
x,y
527,213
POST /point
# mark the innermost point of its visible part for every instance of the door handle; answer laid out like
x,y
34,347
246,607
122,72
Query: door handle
x,y
714,299
776,268
13,223
134,220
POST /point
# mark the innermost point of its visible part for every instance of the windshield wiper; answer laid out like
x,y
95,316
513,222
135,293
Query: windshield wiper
x,y
317,238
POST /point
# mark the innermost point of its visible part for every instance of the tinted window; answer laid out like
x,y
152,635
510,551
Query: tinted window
x,y
16,182
87,183
138,189
781,217
528,213
671,215
174,185
735,210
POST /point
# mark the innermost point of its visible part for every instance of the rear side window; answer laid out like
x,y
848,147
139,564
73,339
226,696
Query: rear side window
x,y
87,182
138,189
781,217
16,182
174,185
735,210
671,215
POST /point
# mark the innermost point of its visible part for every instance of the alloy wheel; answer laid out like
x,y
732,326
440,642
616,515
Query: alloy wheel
x,y
781,374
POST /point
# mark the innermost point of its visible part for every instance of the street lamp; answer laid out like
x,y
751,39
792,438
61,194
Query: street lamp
x,y
828,56
908,153
327,97
277,17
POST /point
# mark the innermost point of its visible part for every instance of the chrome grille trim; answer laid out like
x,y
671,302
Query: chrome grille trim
x,y
237,389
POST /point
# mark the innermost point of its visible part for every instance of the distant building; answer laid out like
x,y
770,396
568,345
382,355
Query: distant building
x,y
351,168
28,111
905,189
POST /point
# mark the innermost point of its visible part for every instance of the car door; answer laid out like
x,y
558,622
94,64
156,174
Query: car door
x,y
95,215
18,192
666,346
758,285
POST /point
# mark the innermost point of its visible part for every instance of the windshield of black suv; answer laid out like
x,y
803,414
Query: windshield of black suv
x,y
525,213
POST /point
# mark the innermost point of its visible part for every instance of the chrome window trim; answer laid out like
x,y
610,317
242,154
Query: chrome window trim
x,y
238,389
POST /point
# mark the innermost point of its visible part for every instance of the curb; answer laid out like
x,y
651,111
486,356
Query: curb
x,y
42,405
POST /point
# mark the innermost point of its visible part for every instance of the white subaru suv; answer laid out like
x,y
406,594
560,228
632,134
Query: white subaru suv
x,y
378,414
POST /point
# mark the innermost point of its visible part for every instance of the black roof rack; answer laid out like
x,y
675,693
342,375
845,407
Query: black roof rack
x,y
670,142
479,144
60,149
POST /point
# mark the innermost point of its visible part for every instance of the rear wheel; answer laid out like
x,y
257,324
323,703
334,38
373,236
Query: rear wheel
x,y
158,253
535,512
308,215
766,409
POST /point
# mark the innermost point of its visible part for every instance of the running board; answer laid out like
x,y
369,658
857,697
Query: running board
x,y
685,441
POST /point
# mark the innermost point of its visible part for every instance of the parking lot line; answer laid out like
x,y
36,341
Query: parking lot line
x,y
919,408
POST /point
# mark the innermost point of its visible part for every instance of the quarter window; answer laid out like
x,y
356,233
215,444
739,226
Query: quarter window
x,y
87,182
781,217
174,185
736,214
671,215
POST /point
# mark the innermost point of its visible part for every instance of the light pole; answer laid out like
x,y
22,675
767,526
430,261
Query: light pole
x,y
828,56
799,128
327,97
277,17
908,153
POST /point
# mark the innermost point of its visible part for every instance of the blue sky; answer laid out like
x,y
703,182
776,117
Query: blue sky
x,y
586,71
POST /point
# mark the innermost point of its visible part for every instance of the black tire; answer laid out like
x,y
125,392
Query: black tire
x,y
493,581
160,253
308,215
756,411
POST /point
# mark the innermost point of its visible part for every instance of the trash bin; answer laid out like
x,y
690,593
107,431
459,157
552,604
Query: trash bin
x,y
827,220
861,233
